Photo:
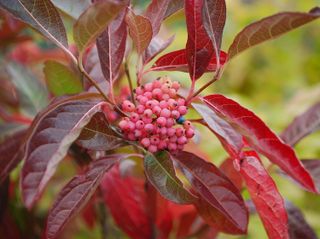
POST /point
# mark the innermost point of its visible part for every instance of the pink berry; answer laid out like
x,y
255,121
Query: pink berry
x,y
170,122
147,113
165,97
148,95
175,114
162,144
143,100
180,146
163,104
165,89
145,142
152,148
149,104
179,132
137,133
182,110
156,84
163,131
176,85
131,126
187,124
139,91
172,93
172,146
156,110
123,124
140,109
128,106
161,121
165,113
173,139
148,128
182,140
139,124
181,101
148,87
131,136
171,132
134,117
146,120
189,133
172,103
157,93
154,140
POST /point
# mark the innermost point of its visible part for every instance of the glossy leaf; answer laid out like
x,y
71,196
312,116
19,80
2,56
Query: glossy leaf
x,y
265,196
260,137
155,13
140,30
11,151
93,22
177,61
217,191
97,135
227,167
50,137
269,28
313,167
73,8
157,45
74,196
126,200
111,45
214,18
42,16
61,80
199,49
303,125
173,7
161,173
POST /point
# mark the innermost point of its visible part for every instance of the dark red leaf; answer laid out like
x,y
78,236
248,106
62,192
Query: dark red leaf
x,y
11,153
199,49
270,28
214,18
217,191
111,45
74,196
155,13
260,137
227,167
177,61
302,125
161,173
126,200
50,136
174,6
265,195
157,45
313,167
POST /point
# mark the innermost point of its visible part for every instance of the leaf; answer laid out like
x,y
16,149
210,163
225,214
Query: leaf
x,y
33,96
140,30
50,137
313,167
126,200
227,167
260,137
265,195
269,28
220,127
217,191
198,48
161,173
157,45
173,6
93,22
11,153
74,196
97,135
60,79
303,125
177,61
111,45
214,18
155,13
41,15
298,226
73,8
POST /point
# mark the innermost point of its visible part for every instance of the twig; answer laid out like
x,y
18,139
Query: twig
x,y
130,82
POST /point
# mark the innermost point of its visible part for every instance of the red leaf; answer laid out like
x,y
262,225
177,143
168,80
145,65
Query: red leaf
x,y
126,200
265,195
50,136
140,30
260,137
217,191
11,151
111,45
199,48
74,196
177,61
269,28
303,125
228,169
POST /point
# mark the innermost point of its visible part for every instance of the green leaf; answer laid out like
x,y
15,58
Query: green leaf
x,y
160,172
60,79
93,22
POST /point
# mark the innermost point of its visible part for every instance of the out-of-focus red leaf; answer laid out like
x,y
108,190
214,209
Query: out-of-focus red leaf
x,y
313,167
265,195
89,214
11,152
74,196
177,61
49,139
161,173
173,7
157,45
111,45
140,30
9,228
269,28
126,199
199,49
217,191
302,125
214,18
260,137
227,167
298,226
155,13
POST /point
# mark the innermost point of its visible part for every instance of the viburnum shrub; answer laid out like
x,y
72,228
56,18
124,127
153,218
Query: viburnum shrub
x,y
127,136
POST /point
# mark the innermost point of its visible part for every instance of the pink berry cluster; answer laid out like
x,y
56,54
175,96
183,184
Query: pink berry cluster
x,y
153,121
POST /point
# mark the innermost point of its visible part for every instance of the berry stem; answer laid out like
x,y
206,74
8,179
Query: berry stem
x,y
126,68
